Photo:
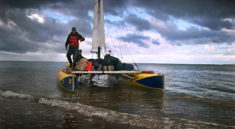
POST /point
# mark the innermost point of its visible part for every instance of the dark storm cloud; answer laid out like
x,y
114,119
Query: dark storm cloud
x,y
35,34
12,43
137,39
212,23
138,22
173,33
194,34
30,34
28,3
34,30
207,13
155,42
25,34
115,7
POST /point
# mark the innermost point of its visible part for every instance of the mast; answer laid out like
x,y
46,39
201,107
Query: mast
x,y
98,35
98,54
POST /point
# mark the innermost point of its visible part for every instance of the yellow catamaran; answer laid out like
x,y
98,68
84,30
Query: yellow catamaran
x,y
69,80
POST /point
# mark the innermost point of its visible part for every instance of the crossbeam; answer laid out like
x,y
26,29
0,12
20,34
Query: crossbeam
x,y
106,72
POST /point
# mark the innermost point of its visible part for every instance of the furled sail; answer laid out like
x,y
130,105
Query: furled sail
x,y
98,37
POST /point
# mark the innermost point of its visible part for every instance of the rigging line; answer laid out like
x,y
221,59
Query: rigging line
x,y
133,60
129,52
112,42
117,31
90,7
118,46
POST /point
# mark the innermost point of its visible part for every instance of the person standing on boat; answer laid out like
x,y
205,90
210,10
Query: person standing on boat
x,y
73,43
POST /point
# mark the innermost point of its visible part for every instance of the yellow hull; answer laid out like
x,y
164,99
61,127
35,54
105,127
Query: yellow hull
x,y
149,80
67,81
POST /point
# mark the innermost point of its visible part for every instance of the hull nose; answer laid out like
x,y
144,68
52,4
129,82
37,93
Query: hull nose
x,y
152,82
70,83
67,81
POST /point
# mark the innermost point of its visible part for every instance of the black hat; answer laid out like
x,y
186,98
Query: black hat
x,y
74,28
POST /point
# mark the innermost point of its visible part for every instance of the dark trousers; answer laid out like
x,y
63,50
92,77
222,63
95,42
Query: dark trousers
x,y
72,51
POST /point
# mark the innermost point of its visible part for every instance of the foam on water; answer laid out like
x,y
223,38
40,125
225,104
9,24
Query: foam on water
x,y
114,116
16,95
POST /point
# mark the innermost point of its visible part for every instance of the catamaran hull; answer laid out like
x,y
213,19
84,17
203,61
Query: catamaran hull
x,y
155,81
67,81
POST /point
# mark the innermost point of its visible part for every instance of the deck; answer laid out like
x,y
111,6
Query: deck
x,y
106,72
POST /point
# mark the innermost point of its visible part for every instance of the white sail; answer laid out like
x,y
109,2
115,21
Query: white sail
x,y
98,37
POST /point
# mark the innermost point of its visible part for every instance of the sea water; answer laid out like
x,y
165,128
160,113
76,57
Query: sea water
x,y
195,96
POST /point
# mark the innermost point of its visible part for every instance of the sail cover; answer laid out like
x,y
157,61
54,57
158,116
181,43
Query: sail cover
x,y
98,37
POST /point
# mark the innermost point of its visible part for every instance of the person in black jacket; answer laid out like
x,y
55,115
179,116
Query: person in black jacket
x,y
78,56
73,42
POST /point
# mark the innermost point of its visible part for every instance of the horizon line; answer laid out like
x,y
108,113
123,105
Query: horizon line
x,y
124,62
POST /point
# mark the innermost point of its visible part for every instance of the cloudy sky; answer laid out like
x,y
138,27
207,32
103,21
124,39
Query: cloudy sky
x,y
146,31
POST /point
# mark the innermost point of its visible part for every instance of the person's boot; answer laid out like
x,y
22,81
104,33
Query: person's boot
x,y
73,66
70,61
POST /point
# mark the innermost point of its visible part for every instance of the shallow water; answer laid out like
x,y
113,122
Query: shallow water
x,y
195,96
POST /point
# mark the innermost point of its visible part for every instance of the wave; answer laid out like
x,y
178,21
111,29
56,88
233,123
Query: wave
x,y
114,116
16,95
